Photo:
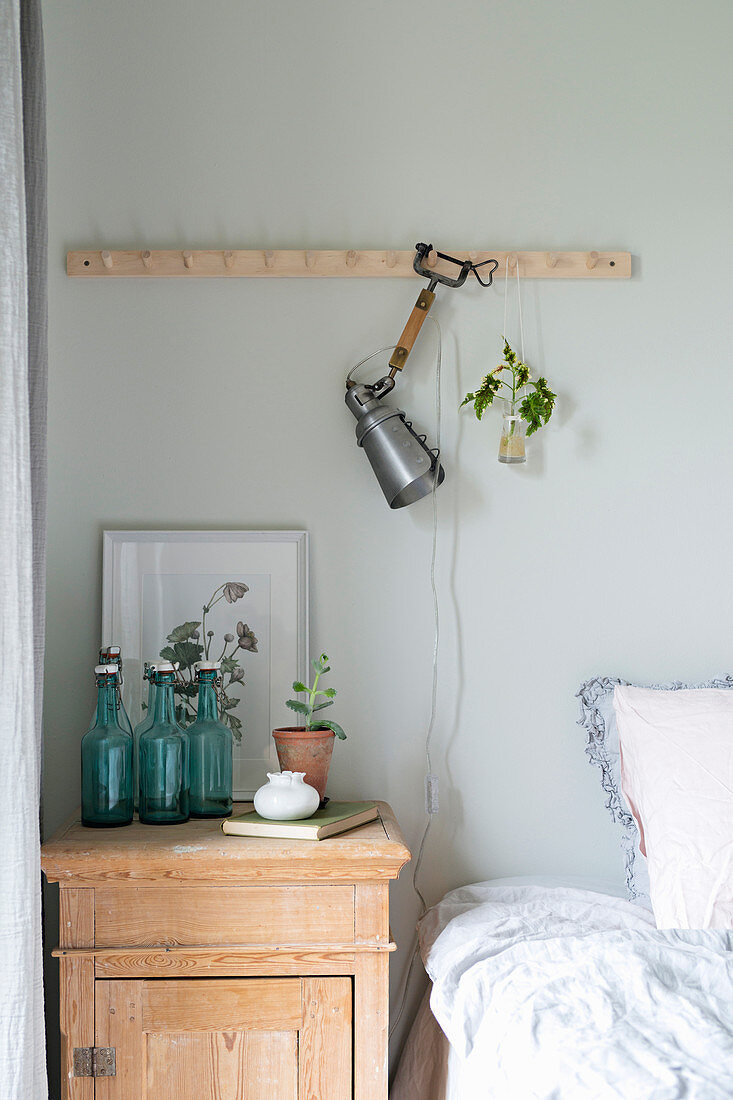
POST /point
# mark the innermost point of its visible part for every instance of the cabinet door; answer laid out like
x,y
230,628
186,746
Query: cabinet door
x,y
226,1039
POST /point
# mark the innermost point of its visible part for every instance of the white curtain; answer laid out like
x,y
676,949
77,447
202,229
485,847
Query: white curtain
x,y
22,536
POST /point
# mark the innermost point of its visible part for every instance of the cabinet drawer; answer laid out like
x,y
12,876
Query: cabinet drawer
x,y
281,915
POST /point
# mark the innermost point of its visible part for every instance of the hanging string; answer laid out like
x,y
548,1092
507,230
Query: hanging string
x,y
519,310
519,304
506,292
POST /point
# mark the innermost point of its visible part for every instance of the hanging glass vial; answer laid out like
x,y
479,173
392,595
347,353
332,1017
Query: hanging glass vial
x,y
513,430
164,757
211,750
112,655
106,760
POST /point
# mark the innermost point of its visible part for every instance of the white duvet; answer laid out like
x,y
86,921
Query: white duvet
x,y
557,993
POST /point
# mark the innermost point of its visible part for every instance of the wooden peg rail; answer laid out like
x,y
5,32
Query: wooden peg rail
x,y
298,264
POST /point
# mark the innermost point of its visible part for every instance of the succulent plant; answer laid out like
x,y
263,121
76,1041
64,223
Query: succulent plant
x,y
312,708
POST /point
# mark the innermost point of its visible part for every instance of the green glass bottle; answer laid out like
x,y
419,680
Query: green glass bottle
x,y
106,760
164,758
211,750
140,729
112,655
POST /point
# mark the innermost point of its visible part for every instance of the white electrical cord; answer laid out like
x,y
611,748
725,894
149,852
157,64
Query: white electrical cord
x,y
431,782
367,358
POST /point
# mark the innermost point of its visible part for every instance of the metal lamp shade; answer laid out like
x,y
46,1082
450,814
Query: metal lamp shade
x,y
405,467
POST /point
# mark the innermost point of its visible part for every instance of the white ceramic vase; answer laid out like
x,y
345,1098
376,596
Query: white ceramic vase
x,y
285,797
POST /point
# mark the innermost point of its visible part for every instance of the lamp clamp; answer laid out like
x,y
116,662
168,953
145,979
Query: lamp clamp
x,y
422,306
422,251
427,296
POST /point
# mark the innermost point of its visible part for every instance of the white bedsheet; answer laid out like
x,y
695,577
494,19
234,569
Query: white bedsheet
x,y
558,993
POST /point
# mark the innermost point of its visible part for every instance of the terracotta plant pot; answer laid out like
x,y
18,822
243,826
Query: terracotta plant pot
x,y
309,751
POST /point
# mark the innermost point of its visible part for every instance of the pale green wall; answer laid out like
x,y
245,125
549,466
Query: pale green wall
x,y
581,124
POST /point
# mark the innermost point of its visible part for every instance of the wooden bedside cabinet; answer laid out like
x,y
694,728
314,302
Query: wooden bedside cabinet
x,y
198,966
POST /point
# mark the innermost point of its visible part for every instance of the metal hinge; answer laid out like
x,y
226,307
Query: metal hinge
x,y
94,1062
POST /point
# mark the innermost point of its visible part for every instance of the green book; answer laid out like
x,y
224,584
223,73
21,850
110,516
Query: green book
x,y
336,817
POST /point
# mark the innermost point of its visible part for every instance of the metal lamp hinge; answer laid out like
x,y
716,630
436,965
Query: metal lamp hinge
x,y
94,1062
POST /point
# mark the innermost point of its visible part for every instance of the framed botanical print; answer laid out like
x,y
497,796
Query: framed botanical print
x,y
238,597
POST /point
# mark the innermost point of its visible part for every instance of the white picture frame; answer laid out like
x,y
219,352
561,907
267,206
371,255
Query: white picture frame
x,y
151,578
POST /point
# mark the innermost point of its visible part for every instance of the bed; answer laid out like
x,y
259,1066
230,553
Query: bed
x,y
556,990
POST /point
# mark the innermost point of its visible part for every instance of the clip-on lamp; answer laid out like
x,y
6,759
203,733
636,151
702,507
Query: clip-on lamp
x,y
406,468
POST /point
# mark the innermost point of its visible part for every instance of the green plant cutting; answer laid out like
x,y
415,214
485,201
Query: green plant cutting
x,y
313,707
536,399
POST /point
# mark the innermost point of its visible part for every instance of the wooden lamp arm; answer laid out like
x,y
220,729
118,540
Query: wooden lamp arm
x,y
411,330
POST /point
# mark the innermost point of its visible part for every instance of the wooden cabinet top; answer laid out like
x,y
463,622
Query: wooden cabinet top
x,y
199,852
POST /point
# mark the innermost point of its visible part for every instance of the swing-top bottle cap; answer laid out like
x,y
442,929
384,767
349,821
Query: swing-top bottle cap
x,y
105,670
207,666
165,666
111,650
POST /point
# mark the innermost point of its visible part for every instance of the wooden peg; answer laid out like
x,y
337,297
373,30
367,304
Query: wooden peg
x,y
147,259
391,258
188,259
512,260
107,259
351,258
229,259
432,258
473,256
310,259
551,259
269,258
592,260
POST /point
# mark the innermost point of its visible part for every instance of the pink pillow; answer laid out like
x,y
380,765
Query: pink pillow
x,y
677,776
